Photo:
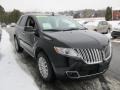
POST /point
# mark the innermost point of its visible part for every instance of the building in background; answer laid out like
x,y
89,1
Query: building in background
x,y
116,14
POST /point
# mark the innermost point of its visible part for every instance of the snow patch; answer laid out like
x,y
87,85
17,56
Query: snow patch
x,y
12,77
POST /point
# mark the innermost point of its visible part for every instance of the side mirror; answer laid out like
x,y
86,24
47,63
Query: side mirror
x,y
29,29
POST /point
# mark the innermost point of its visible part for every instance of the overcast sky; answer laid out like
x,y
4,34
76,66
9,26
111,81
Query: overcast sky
x,y
57,5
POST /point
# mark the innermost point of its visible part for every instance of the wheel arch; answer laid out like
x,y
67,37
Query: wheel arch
x,y
38,50
14,35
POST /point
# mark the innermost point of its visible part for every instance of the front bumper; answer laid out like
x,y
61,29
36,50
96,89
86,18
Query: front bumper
x,y
115,34
79,70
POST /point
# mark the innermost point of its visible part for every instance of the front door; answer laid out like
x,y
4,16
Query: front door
x,y
31,37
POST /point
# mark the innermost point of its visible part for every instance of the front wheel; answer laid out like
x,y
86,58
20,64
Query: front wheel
x,y
45,68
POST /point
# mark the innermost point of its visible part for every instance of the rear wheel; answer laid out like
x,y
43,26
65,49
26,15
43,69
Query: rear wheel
x,y
45,68
17,45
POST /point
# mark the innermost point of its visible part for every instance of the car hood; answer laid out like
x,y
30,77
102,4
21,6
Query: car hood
x,y
90,27
117,26
79,38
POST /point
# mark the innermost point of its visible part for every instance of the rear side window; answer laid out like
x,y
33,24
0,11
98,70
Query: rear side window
x,y
22,21
105,23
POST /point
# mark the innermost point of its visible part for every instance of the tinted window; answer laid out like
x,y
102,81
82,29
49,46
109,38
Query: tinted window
x,y
100,23
105,23
31,22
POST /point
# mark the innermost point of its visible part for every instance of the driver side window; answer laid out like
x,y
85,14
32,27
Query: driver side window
x,y
31,22
100,23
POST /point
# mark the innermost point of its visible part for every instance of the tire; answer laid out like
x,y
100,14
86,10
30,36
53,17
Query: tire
x,y
95,30
114,37
17,45
106,32
45,68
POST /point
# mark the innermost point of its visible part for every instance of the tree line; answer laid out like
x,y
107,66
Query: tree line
x,y
13,16
9,17
90,13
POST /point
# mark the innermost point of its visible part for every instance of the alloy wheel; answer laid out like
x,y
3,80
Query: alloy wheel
x,y
43,67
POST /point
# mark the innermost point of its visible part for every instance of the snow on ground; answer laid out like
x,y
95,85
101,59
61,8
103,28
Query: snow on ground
x,y
12,77
113,84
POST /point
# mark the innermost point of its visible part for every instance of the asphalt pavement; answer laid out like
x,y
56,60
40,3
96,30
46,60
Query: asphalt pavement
x,y
115,62
20,71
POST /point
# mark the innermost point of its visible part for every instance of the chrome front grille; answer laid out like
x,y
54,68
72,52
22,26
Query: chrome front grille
x,y
91,56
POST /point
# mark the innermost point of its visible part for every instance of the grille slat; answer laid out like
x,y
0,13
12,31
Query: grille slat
x,y
98,54
87,55
84,55
91,59
91,56
101,56
95,54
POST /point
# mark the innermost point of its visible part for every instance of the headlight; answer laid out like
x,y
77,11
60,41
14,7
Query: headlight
x,y
108,51
67,52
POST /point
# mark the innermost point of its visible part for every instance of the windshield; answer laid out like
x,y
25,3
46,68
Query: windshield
x,y
104,23
57,23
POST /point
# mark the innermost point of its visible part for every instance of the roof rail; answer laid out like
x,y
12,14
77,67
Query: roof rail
x,y
42,14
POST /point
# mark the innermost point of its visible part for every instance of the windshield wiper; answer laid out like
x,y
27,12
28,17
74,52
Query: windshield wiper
x,y
83,29
54,30
70,29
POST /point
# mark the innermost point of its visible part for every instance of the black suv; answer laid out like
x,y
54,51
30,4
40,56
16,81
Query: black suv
x,y
62,47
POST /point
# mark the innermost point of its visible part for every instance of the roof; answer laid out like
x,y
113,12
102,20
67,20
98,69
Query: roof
x,y
94,22
41,14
